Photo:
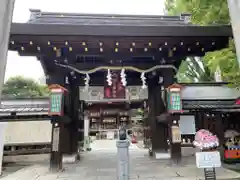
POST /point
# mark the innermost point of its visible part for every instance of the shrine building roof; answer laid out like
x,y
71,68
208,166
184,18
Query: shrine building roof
x,y
88,41
46,23
39,17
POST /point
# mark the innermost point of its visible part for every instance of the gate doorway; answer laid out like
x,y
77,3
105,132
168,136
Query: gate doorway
x,y
105,119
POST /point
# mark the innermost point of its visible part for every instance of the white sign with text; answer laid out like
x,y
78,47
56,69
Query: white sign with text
x,y
208,159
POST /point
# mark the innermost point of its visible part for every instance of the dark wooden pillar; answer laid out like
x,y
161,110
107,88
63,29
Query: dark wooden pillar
x,y
175,147
198,120
156,107
74,115
59,136
219,126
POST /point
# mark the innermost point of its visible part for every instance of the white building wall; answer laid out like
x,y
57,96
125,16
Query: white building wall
x,y
28,132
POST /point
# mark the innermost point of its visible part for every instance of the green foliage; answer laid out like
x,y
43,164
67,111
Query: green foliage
x,y
20,87
194,70
208,12
226,60
204,12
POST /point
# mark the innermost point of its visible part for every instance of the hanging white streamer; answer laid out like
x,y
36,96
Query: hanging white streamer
x,y
109,77
143,79
87,80
123,77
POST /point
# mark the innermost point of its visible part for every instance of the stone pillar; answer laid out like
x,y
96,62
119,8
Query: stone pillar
x,y
87,139
234,12
6,13
3,127
156,107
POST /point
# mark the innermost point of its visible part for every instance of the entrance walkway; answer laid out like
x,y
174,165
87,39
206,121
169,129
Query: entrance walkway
x,y
101,165
110,145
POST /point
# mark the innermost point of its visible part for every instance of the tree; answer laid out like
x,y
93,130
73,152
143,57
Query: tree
x,y
204,12
20,87
207,12
194,70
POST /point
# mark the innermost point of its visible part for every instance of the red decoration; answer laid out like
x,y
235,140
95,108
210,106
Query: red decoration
x,y
116,90
175,86
134,139
107,93
57,86
237,102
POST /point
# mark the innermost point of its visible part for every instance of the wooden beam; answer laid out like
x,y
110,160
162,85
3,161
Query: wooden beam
x,y
120,31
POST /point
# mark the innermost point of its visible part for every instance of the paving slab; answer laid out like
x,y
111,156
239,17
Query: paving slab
x,y
101,164
29,173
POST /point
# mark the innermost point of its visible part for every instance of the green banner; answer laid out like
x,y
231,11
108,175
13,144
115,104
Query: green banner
x,y
174,101
56,99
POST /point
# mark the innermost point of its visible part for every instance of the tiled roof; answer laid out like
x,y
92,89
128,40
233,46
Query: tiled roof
x,y
40,107
211,104
24,107
39,17
23,111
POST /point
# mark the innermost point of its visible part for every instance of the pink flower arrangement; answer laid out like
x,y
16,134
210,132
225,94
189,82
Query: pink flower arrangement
x,y
204,139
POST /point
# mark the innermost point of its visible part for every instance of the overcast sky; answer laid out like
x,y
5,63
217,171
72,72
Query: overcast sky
x,y
29,66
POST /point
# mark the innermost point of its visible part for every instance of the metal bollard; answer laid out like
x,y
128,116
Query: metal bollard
x,y
123,159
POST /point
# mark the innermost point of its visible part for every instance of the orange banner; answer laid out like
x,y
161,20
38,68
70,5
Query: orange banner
x,y
232,154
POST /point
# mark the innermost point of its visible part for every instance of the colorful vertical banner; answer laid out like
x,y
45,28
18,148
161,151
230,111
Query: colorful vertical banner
x,y
56,100
174,98
56,103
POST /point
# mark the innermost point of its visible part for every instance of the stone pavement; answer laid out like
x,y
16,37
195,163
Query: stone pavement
x,y
101,165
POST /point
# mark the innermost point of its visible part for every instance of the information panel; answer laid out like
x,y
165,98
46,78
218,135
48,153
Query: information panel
x,y
55,140
208,159
56,99
174,101
187,124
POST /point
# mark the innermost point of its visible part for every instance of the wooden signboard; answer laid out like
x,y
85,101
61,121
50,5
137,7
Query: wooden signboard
x,y
176,134
55,141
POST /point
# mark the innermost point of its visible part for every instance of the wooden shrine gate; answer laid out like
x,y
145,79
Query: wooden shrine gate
x,y
145,50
